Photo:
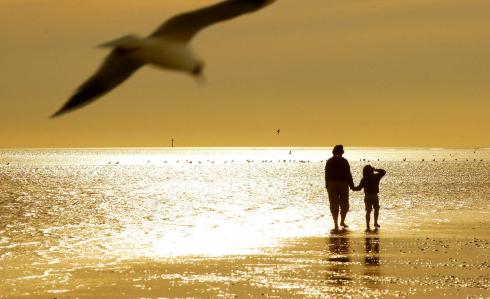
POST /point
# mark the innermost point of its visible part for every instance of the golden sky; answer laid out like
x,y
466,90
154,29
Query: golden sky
x,y
357,72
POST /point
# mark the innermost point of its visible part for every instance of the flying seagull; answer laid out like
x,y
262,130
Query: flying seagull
x,y
167,47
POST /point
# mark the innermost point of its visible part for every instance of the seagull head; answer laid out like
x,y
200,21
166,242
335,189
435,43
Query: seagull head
x,y
198,72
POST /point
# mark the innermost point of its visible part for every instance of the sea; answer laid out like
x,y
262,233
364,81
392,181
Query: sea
x,y
93,207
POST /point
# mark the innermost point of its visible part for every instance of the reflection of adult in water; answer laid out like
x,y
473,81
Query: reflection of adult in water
x,y
339,247
339,271
338,179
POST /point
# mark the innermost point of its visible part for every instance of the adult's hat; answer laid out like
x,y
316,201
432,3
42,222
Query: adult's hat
x,y
338,149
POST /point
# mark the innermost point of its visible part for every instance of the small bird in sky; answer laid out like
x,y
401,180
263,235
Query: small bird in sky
x,y
278,131
167,47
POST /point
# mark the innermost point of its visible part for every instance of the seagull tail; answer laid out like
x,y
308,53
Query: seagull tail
x,y
127,42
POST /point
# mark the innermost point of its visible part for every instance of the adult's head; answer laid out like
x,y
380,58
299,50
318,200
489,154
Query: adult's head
x,y
338,150
368,170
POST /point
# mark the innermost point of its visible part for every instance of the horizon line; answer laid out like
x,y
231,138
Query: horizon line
x,y
244,147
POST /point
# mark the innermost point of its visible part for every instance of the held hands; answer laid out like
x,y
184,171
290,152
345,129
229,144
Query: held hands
x,y
354,188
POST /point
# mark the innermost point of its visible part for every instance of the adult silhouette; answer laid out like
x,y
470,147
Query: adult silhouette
x,y
338,179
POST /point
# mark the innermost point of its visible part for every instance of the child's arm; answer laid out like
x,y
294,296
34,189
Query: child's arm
x,y
380,172
359,188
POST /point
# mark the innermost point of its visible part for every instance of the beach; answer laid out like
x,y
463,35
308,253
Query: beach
x,y
454,263
85,228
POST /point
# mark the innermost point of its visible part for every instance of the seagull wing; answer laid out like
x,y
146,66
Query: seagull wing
x,y
185,26
116,68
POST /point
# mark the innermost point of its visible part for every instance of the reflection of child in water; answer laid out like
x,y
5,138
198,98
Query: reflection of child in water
x,y
370,182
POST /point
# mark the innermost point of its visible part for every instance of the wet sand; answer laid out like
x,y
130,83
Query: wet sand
x,y
439,259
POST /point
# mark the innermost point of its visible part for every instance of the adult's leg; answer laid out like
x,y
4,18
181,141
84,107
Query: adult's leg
x,y
335,216
343,214
344,204
333,198
334,209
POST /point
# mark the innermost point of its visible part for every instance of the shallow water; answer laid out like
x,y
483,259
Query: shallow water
x,y
92,208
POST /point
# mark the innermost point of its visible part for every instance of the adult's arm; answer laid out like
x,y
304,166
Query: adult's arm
x,y
350,181
326,175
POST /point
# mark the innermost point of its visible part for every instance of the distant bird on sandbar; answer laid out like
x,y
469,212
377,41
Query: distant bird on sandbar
x,y
167,47
278,131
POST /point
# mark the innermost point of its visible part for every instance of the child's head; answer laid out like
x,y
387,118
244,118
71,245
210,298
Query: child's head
x,y
367,170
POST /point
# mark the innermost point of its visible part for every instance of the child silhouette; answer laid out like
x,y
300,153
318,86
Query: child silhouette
x,y
370,182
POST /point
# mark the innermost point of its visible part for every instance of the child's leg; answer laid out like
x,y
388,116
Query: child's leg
x,y
376,211
368,219
376,215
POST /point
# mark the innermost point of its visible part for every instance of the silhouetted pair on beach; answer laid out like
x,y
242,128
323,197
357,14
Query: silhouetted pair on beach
x,y
338,180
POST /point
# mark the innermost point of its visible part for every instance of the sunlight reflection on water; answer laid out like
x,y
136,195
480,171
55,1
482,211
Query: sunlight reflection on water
x,y
100,206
